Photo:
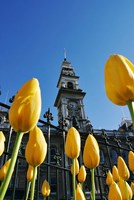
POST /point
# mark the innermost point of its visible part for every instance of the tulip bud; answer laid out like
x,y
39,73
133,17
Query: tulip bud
x,y
125,189
114,192
45,189
73,143
2,142
30,172
4,169
91,156
76,166
123,169
26,107
115,174
119,79
79,193
132,187
131,161
82,174
109,178
36,147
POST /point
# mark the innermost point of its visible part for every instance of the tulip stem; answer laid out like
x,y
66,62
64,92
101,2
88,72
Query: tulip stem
x,y
7,179
1,184
73,177
28,189
93,184
44,198
131,109
33,183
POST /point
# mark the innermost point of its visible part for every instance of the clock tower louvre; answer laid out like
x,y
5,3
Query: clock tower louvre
x,y
69,100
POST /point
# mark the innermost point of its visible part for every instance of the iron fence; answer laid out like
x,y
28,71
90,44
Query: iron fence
x,y
56,167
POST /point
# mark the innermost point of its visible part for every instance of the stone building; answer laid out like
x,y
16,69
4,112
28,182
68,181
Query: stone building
x,y
56,167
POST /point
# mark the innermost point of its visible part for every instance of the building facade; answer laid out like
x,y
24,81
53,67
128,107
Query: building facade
x,y
56,167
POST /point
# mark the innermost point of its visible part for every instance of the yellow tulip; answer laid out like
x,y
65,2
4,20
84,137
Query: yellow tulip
x,y
4,169
2,142
30,173
45,189
26,107
109,178
115,174
73,143
131,161
79,193
114,192
132,187
125,189
119,79
123,169
76,163
36,147
82,174
91,156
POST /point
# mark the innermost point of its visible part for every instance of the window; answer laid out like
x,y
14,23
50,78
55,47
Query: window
x,y
101,157
53,153
125,156
70,85
114,156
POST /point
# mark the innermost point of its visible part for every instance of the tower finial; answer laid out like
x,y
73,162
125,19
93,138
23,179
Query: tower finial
x,y
65,54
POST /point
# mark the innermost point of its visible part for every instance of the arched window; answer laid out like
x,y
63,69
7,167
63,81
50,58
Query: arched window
x,y
70,85
114,156
101,157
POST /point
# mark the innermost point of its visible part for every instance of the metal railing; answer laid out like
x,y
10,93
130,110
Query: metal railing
x,y
56,167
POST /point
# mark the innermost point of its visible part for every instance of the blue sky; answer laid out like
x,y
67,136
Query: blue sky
x,y
33,35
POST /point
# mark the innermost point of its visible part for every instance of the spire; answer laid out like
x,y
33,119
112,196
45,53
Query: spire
x,y
66,64
65,54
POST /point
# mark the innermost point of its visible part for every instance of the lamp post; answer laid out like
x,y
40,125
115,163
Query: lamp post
x,y
49,117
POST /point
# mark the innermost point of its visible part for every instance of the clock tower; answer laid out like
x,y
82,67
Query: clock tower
x,y
69,100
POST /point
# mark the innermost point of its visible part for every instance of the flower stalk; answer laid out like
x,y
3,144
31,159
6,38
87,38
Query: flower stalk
x,y
28,189
33,183
131,109
73,179
93,184
7,179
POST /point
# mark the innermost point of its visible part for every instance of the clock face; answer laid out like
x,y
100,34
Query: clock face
x,y
72,105
73,109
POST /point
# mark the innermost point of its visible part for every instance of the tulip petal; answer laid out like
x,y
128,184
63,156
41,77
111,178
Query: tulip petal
x,y
119,79
125,189
73,143
26,107
115,174
45,189
131,161
79,193
109,178
82,174
36,148
91,156
2,142
114,192
123,169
